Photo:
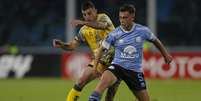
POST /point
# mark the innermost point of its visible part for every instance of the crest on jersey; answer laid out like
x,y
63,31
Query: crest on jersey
x,y
111,67
121,41
138,39
129,52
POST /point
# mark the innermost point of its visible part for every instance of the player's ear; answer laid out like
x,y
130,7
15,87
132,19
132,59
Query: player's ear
x,y
95,10
133,17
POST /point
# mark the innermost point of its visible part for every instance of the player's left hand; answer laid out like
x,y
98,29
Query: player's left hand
x,y
96,73
168,59
76,23
57,43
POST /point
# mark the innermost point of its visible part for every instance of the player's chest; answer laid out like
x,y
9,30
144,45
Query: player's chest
x,y
93,34
133,39
90,33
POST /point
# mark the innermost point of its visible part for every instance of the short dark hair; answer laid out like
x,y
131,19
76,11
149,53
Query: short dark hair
x,y
86,5
128,7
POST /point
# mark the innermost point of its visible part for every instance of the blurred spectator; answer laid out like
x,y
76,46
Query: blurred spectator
x,y
179,22
28,22
37,22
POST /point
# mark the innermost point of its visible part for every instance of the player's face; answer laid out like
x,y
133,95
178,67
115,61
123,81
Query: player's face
x,y
126,19
89,14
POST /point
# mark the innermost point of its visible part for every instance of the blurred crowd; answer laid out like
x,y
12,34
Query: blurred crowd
x,y
31,22
179,22
37,22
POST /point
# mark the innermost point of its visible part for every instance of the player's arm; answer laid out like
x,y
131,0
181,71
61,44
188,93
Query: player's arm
x,y
93,24
104,47
164,52
103,22
98,55
97,25
65,46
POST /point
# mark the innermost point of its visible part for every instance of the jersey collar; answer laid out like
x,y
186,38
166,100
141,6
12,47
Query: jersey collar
x,y
132,29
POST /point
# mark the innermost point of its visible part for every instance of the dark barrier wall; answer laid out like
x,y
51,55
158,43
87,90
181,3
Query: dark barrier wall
x,y
185,65
29,65
45,66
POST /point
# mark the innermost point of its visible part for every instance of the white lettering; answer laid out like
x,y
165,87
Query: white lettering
x,y
6,63
18,64
151,65
166,73
180,67
22,65
76,64
191,67
182,62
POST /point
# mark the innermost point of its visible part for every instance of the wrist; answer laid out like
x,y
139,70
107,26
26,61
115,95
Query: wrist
x,y
84,22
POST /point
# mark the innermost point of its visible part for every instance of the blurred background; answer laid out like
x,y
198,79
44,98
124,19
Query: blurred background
x,y
27,28
27,23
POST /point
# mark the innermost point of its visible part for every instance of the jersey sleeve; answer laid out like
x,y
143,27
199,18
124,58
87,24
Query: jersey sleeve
x,y
149,36
105,19
109,41
79,37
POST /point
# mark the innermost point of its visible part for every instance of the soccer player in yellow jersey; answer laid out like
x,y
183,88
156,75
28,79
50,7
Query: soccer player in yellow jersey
x,y
95,28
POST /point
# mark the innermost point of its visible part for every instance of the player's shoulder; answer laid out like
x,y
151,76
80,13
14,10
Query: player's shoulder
x,y
83,28
116,32
102,15
140,27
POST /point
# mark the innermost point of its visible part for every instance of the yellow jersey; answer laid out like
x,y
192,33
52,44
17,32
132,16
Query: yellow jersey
x,y
93,36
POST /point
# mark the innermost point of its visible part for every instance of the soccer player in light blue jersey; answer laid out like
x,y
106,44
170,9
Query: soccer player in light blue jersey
x,y
127,40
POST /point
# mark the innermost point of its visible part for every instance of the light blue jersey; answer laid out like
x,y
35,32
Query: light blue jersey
x,y
129,46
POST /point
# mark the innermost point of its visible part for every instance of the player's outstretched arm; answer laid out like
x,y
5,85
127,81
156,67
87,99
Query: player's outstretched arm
x,y
93,24
164,52
98,55
65,46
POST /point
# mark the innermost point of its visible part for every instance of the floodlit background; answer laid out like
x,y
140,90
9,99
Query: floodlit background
x,y
32,70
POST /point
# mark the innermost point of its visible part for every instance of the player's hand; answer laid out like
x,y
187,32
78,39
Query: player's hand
x,y
57,43
76,23
168,59
96,73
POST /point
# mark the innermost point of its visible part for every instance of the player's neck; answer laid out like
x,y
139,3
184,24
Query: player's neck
x,y
96,17
129,28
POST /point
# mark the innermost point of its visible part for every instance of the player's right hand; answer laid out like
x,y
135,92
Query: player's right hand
x,y
168,59
96,73
76,23
57,43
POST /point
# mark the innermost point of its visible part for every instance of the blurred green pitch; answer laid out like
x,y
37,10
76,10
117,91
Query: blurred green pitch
x,y
54,89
